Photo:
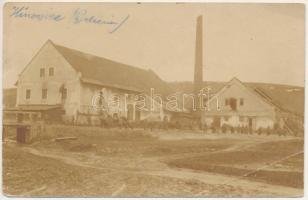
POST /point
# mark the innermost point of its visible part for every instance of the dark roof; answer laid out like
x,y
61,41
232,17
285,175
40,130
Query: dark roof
x,y
286,97
102,71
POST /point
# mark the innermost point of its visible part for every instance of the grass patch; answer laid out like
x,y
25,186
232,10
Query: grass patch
x,y
263,154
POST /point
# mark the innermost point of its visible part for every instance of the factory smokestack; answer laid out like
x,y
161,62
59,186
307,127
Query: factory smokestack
x,y
198,76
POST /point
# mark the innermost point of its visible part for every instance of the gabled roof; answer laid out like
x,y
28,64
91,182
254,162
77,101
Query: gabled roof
x,y
105,72
234,80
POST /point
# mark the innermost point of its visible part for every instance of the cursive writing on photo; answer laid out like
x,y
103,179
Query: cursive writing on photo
x,y
77,17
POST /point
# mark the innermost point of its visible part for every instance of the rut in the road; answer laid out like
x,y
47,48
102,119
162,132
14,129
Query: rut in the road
x,y
205,177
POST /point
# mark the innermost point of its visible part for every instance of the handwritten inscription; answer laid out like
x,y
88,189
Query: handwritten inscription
x,y
81,16
78,16
22,12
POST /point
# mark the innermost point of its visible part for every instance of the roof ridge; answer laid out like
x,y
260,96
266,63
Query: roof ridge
x,y
104,71
84,54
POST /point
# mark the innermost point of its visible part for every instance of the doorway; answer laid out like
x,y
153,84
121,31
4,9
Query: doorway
x,y
250,125
250,122
21,134
137,114
130,112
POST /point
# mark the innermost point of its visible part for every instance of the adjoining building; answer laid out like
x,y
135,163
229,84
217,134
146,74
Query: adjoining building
x,y
237,104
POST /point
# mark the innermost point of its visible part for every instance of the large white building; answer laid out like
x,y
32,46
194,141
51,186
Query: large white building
x,y
81,87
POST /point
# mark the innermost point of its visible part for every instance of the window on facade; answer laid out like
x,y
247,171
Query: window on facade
x,y
64,93
233,103
28,94
42,72
116,99
51,71
226,102
101,98
241,101
44,93
204,101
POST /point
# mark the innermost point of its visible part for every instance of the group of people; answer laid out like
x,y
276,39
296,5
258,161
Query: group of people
x,y
109,121
247,130
115,121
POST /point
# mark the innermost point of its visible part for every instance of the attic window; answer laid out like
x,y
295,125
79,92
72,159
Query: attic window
x,y
51,71
241,101
233,103
28,94
42,72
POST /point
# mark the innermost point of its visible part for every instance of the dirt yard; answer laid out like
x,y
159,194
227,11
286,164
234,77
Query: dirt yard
x,y
138,163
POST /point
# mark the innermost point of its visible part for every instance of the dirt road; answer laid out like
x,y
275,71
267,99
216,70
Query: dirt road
x,y
139,167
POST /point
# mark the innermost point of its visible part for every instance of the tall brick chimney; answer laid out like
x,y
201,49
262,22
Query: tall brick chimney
x,y
198,76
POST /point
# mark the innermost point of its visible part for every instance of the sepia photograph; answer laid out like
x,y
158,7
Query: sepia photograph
x,y
153,99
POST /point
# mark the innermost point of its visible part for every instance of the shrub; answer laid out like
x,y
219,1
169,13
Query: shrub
x,y
224,128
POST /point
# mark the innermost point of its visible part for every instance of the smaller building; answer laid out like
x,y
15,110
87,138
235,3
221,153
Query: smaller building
x,y
238,105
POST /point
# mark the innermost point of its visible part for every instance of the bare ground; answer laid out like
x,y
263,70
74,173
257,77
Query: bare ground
x,y
104,163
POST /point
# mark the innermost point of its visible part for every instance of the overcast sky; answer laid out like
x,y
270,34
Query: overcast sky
x,y
253,42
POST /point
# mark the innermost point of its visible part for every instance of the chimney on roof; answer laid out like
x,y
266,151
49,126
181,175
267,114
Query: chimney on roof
x,y
198,73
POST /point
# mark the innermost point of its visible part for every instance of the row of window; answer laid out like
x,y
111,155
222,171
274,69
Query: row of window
x,y
50,72
232,102
45,92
